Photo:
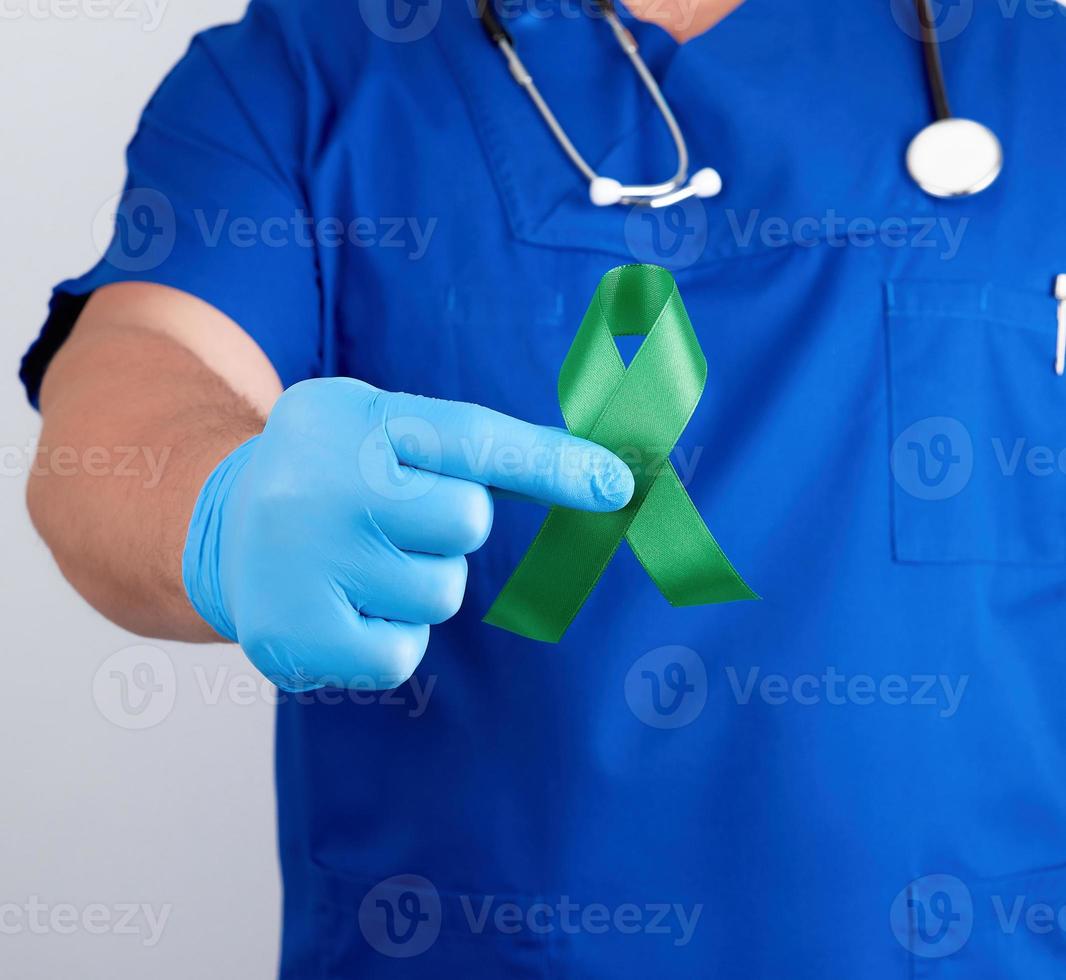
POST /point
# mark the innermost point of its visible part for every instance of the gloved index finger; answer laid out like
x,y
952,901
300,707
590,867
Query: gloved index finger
x,y
474,443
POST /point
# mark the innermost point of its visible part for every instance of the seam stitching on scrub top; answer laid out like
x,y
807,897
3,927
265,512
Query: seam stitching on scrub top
x,y
221,149
499,175
976,316
249,117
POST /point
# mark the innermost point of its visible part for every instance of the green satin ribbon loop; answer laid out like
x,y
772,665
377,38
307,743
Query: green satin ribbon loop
x,y
638,413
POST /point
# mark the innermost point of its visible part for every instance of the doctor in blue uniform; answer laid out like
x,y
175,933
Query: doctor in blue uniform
x,y
861,775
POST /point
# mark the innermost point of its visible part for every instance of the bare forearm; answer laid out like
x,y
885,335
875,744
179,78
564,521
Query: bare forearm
x,y
139,422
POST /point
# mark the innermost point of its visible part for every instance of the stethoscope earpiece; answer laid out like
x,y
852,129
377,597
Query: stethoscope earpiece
x,y
605,191
706,182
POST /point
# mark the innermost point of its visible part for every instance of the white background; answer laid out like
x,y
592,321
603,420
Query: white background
x,y
179,815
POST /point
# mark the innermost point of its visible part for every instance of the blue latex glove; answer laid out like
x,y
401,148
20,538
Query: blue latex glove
x,y
327,545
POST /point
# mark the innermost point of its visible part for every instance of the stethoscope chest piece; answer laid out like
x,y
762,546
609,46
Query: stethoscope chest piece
x,y
954,157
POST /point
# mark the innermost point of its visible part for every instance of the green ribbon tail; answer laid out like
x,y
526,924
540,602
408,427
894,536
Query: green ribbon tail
x,y
638,413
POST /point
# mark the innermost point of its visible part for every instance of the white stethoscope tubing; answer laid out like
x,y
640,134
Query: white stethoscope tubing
x,y
604,191
951,157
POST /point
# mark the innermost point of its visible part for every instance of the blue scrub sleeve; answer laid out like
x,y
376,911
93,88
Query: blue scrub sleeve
x,y
214,202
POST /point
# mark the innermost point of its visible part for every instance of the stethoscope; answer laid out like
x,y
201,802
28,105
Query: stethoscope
x,y
951,157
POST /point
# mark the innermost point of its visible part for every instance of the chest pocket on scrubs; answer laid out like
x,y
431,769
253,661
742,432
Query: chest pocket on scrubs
x,y
978,424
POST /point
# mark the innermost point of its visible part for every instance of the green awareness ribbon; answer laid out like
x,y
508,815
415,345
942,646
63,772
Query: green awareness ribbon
x,y
638,413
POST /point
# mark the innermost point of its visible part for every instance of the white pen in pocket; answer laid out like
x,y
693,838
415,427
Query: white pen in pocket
x,y
1060,340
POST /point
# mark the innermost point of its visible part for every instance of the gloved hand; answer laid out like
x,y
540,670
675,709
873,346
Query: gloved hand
x,y
327,545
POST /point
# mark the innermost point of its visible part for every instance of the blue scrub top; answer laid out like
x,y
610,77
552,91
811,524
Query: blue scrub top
x,y
860,776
